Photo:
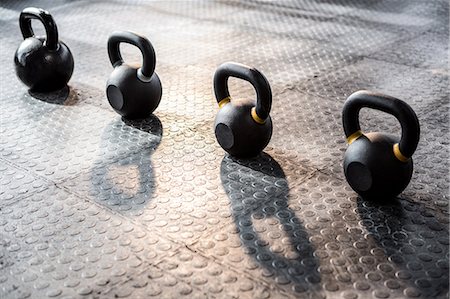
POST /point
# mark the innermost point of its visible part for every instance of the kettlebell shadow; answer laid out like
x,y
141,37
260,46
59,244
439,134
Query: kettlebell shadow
x,y
65,96
128,183
414,242
268,228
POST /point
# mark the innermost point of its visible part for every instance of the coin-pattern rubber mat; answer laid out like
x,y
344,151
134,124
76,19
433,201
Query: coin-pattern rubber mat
x,y
93,205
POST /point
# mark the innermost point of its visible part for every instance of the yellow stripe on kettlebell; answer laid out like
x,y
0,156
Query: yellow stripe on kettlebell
x,y
354,136
398,154
256,118
224,102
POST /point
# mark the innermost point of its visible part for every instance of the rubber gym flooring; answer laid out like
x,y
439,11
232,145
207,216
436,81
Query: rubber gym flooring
x,y
96,206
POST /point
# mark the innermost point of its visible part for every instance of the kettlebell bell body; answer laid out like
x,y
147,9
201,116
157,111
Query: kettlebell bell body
x,y
379,166
243,129
43,64
133,92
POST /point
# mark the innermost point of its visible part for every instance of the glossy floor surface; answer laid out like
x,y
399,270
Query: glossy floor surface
x,y
96,206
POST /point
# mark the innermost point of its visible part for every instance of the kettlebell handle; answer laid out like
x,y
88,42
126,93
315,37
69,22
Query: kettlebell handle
x,y
401,110
148,53
46,19
263,93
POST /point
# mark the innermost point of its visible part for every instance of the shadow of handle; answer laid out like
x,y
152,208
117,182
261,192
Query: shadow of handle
x,y
128,183
259,195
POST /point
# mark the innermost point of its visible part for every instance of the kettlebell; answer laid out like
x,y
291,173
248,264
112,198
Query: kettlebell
x,y
376,165
243,129
133,91
43,64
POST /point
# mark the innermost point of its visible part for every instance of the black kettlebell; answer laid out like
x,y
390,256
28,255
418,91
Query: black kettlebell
x,y
376,165
43,64
133,92
242,129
